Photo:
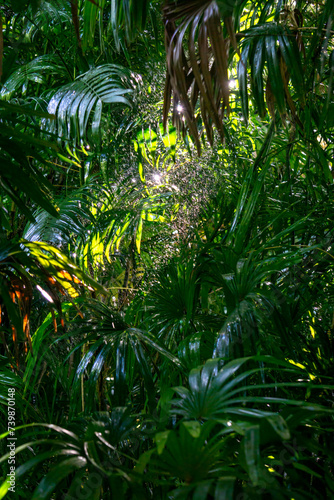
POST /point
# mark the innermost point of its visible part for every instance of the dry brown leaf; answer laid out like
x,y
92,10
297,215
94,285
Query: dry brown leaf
x,y
197,66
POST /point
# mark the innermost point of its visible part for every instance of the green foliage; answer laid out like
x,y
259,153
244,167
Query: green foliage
x,y
20,177
73,103
166,320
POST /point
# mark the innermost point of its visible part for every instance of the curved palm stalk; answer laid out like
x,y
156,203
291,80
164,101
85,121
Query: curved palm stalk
x,y
74,103
203,73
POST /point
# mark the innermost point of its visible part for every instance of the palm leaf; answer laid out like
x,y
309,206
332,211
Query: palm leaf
x,y
73,212
273,48
35,71
129,16
216,393
91,13
21,179
79,103
203,73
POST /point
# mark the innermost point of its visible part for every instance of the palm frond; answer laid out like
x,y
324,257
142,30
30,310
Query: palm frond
x,y
216,392
20,177
73,214
274,48
197,63
124,352
24,266
36,71
131,16
75,103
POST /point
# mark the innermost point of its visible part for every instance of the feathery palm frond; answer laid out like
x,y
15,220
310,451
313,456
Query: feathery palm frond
x,y
20,176
74,103
25,265
283,64
126,16
36,71
73,212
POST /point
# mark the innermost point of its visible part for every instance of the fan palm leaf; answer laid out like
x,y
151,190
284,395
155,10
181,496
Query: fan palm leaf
x,y
261,430
125,352
216,392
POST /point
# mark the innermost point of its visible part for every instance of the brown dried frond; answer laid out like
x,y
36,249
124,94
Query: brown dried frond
x,y
197,66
